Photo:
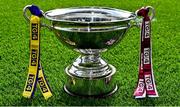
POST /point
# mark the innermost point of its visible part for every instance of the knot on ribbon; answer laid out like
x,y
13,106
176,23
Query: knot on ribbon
x,y
35,10
143,12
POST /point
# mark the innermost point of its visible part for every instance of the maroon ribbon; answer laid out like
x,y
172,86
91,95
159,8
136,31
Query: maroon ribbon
x,y
146,84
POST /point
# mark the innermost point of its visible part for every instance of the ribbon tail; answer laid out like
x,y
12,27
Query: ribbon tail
x,y
155,93
43,84
140,91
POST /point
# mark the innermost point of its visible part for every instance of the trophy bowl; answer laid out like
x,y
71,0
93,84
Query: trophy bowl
x,y
89,31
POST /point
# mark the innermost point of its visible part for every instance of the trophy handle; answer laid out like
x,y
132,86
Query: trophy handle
x,y
25,13
153,12
38,12
137,21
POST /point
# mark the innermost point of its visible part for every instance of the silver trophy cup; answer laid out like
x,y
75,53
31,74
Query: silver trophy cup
x,y
89,31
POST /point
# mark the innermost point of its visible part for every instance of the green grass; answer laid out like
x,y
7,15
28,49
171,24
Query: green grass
x,y
14,55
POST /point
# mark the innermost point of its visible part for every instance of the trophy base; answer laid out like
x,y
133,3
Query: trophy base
x,y
91,81
94,96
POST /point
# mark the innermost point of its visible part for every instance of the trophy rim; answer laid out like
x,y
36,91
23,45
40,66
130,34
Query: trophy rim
x,y
132,15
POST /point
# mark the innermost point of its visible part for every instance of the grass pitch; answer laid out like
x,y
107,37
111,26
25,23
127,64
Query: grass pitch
x,y
14,55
